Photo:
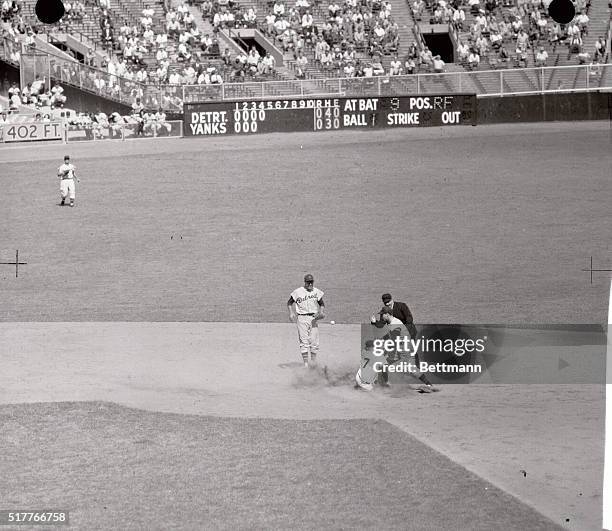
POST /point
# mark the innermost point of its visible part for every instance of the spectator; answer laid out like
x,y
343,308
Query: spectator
x,y
418,7
583,57
349,69
541,57
438,65
522,41
583,23
99,83
252,60
575,44
58,99
594,70
409,65
395,67
215,77
473,59
301,62
320,47
463,51
227,57
459,18
326,59
600,49
377,67
426,57
268,64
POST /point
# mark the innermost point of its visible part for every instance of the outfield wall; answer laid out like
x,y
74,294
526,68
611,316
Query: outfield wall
x,y
320,114
545,107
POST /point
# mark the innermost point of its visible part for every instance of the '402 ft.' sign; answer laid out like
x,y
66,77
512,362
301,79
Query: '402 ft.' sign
x,y
30,131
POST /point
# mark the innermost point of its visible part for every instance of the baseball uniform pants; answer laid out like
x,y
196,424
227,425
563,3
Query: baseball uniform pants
x,y
308,334
67,188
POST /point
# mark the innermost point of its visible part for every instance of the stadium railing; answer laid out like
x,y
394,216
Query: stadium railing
x,y
504,82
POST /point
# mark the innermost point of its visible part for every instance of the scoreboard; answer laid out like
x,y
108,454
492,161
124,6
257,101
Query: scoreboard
x,y
327,114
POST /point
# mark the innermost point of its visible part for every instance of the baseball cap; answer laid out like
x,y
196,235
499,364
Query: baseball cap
x,y
66,157
308,278
386,297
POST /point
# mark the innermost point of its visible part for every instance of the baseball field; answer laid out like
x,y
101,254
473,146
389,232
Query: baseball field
x,y
151,379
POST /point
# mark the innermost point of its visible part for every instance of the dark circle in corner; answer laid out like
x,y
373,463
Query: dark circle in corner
x,y
562,11
49,11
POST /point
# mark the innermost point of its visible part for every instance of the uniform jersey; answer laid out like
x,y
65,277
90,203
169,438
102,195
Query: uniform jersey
x,y
306,301
396,329
66,171
367,373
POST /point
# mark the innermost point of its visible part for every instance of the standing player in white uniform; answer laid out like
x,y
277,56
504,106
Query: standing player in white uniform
x,y
309,309
66,173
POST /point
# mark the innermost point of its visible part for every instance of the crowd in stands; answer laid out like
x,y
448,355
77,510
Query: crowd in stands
x,y
349,33
36,95
510,32
226,15
13,27
178,42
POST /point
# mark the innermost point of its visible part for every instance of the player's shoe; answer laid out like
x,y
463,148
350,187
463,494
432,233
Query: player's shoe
x,y
63,202
71,203
426,389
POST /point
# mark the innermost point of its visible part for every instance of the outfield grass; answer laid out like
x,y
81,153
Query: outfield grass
x,y
120,468
490,224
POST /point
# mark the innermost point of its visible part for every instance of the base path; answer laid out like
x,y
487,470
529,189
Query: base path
x,y
541,443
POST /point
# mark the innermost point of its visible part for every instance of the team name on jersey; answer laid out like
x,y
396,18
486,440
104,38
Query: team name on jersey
x,y
307,297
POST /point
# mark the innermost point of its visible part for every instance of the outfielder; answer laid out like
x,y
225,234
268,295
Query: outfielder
x,y
309,309
67,175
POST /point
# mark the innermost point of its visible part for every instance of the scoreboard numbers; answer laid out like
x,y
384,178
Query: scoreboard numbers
x,y
328,114
326,119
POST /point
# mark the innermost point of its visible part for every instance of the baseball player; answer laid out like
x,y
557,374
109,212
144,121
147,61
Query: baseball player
x,y
398,328
309,309
67,175
366,375
399,310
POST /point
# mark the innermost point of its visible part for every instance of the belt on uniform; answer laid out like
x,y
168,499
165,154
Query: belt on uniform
x,y
309,314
